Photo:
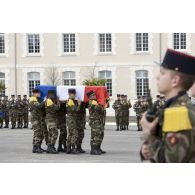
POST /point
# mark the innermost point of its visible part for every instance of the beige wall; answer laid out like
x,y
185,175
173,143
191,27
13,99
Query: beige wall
x,y
123,62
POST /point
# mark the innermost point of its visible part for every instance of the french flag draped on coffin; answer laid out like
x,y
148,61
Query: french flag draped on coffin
x,y
81,91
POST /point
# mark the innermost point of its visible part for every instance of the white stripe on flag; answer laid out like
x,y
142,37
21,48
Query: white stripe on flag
x,y
62,92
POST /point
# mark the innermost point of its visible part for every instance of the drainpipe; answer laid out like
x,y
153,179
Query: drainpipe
x,y
160,48
15,62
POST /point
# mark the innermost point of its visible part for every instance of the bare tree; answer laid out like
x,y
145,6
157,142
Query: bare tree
x,y
53,76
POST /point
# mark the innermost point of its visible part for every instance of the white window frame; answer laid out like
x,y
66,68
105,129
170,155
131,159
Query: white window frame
x,y
34,80
3,81
133,45
142,80
97,45
107,78
188,43
6,40
69,78
180,49
61,45
25,46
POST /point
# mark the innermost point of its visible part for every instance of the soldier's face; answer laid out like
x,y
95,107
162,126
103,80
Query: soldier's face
x,y
193,90
164,81
72,95
37,94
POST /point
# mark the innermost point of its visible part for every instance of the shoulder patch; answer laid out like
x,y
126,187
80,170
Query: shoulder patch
x,y
33,99
94,102
176,119
70,102
49,102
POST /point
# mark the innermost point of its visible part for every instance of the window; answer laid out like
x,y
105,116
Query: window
x,y
2,80
33,43
69,78
105,43
142,42
2,43
142,82
69,43
107,75
33,81
179,41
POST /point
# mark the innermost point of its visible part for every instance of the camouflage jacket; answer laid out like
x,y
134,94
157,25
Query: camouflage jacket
x,y
117,106
12,106
177,124
25,103
138,108
72,107
20,107
95,111
51,109
5,105
36,108
61,113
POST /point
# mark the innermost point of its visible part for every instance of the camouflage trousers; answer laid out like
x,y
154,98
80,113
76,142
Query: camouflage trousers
x,y
52,130
44,130
81,126
138,122
6,119
63,131
38,133
25,119
97,132
20,120
13,119
72,131
117,118
1,122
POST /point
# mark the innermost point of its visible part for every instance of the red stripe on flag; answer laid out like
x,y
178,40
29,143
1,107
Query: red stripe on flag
x,y
100,91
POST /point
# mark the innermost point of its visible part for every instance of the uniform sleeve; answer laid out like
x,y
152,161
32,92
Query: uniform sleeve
x,y
175,147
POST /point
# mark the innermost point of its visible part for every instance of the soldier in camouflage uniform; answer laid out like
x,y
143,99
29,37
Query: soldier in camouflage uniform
x,y
72,108
6,111
170,138
1,113
13,111
61,117
121,114
52,106
25,112
95,122
116,106
20,111
139,109
127,105
81,120
35,107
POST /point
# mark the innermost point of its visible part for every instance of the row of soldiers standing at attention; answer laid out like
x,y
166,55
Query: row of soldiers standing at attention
x,y
14,110
142,105
121,107
68,116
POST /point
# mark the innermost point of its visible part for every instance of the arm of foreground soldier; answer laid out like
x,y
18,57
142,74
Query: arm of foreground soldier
x,y
174,148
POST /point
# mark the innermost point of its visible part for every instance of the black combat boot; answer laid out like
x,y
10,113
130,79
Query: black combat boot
x,y
117,129
36,149
64,147
48,148
79,149
95,151
102,151
53,149
68,150
74,150
60,149
42,149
